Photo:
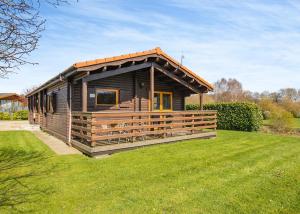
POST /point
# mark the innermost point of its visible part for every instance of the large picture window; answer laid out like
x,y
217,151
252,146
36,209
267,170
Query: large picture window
x,y
162,101
107,97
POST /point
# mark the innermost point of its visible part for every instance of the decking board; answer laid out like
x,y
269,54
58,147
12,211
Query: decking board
x,y
110,149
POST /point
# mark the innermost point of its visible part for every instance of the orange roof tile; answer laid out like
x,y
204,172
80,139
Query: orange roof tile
x,y
157,51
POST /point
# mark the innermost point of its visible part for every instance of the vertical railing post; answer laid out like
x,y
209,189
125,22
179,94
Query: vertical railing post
x,y
193,121
132,130
70,113
164,128
93,119
215,119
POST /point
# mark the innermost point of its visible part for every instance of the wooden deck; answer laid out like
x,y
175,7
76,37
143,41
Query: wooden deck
x,y
110,149
97,133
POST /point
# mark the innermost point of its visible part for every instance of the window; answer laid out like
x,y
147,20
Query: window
x,y
48,103
107,97
162,101
51,103
166,101
36,103
156,101
44,102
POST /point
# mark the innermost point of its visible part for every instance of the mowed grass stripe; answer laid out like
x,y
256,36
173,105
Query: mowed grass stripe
x,y
237,172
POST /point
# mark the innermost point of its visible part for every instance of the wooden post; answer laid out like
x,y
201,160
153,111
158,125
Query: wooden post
x,y
84,96
135,92
42,102
151,87
201,101
39,108
93,120
70,113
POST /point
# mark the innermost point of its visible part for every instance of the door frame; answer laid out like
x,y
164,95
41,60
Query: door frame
x,y
161,93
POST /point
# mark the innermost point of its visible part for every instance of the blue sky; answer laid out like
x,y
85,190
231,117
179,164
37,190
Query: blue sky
x,y
256,42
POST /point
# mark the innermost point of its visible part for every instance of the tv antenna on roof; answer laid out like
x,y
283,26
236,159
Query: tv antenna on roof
x,y
181,58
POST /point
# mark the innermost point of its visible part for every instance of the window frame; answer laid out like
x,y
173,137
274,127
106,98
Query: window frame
x,y
117,91
51,105
161,101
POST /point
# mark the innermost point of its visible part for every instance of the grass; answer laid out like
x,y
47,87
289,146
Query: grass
x,y
237,172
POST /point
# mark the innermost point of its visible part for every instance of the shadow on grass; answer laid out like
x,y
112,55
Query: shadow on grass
x,y
20,172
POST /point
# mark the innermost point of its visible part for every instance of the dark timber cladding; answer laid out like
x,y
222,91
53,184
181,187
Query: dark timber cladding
x,y
145,82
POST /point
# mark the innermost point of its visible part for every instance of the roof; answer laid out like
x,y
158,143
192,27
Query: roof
x,y
10,96
156,51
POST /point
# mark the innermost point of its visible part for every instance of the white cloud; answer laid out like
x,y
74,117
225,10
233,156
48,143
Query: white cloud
x,y
256,42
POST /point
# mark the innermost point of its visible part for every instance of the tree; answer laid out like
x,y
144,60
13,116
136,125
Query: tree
x,y
290,94
20,30
229,90
28,90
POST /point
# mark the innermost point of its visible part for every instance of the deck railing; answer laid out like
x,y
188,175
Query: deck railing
x,y
98,128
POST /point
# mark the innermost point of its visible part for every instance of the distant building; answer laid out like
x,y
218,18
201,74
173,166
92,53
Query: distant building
x,y
11,102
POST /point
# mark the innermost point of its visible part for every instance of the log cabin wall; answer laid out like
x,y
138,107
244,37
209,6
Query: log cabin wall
x,y
159,85
57,123
77,96
126,84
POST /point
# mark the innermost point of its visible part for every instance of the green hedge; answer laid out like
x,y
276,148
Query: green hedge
x,y
235,116
5,116
19,115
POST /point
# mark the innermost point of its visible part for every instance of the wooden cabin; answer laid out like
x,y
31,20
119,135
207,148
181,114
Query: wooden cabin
x,y
123,102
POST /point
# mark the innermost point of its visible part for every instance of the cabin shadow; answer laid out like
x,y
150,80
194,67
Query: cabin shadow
x,y
20,173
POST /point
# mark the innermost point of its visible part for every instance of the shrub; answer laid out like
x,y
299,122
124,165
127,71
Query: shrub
x,y
1,115
293,107
192,107
235,116
20,115
266,115
5,116
267,107
281,120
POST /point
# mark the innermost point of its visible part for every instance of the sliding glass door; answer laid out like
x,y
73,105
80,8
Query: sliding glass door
x,y
162,101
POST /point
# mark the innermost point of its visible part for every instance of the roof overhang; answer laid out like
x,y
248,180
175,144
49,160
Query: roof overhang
x,y
156,56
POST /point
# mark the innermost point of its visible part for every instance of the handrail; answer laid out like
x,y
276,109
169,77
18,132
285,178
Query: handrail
x,y
102,128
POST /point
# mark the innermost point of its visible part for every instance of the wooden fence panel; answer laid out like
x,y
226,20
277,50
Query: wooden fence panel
x,y
98,128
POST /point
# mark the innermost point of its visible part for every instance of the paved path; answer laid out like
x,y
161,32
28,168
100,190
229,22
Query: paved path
x,y
7,125
58,146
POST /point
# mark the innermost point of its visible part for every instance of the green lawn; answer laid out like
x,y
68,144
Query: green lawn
x,y
237,172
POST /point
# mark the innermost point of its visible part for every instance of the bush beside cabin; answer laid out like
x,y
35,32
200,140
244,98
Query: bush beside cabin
x,y
235,116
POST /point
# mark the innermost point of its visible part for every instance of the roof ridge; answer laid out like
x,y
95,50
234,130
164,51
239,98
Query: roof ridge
x,y
115,58
156,50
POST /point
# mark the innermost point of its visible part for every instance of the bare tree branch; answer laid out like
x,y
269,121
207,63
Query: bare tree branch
x,y
20,30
